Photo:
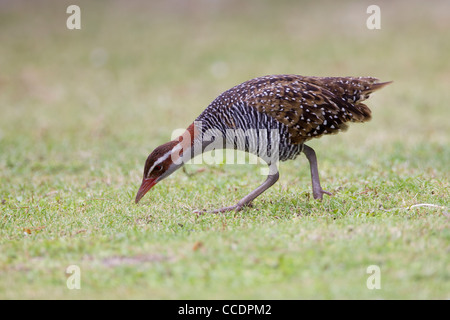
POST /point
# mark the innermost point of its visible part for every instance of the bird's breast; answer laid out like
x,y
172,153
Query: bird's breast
x,y
245,128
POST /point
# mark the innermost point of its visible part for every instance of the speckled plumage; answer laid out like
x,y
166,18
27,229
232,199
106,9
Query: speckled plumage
x,y
301,108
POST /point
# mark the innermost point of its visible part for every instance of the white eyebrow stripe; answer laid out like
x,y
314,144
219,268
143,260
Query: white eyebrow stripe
x,y
165,156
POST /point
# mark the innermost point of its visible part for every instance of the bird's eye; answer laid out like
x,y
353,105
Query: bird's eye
x,y
157,168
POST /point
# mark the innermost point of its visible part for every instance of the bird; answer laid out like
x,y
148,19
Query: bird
x,y
272,117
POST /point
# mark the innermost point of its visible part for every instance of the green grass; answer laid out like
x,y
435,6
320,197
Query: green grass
x,y
81,110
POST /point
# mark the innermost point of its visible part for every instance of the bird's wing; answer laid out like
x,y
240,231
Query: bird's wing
x,y
308,106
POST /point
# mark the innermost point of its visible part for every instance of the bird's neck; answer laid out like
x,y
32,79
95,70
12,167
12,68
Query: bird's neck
x,y
193,142
188,145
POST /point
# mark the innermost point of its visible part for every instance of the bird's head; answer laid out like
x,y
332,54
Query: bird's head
x,y
162,162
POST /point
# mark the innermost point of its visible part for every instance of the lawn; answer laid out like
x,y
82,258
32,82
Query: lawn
x,y
82,109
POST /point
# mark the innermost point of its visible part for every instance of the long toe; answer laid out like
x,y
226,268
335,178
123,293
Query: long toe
x,y
319,195
235,208
224,209
227,209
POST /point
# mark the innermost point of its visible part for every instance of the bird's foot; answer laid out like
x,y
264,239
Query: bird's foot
x,y
235,208
318,194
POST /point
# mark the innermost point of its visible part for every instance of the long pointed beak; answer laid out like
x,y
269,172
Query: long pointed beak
x,y
146,185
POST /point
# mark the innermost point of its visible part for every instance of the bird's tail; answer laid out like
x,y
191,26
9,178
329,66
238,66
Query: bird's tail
x,y
368,86
352,89
371,86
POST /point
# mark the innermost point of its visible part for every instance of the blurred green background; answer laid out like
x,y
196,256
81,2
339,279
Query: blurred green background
x,y
81,109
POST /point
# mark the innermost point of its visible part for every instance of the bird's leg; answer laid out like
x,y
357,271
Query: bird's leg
x,y
186,173
317,189
246,201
